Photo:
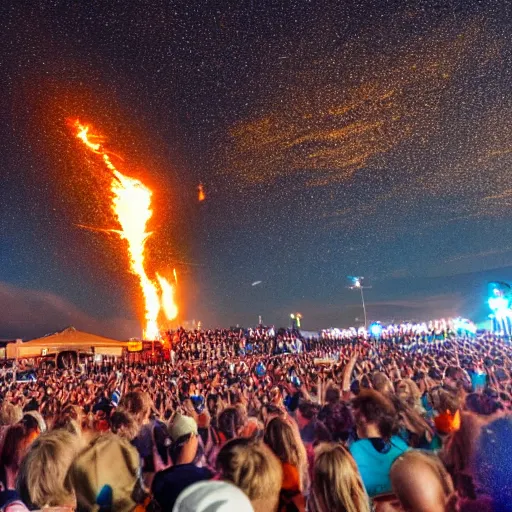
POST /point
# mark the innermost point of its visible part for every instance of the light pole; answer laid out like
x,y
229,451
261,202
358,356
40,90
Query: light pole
x,y
357,284
296,318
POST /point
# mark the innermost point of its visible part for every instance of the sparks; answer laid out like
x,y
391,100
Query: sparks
x,y
131,204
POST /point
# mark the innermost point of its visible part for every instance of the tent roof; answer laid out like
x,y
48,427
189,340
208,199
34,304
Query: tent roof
x,y
71,336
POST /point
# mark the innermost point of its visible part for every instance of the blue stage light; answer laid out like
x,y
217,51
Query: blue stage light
x,y
376,329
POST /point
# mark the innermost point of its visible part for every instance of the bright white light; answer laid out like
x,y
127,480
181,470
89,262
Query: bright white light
x,y
499,304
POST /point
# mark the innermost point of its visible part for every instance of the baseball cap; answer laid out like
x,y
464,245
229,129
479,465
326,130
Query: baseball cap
x,y
212,496
181,425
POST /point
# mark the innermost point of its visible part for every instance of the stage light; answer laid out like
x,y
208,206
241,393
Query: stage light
x,y
376,330
498,304
463,324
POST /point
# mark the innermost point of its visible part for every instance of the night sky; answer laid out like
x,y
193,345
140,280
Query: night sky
x,y
332,138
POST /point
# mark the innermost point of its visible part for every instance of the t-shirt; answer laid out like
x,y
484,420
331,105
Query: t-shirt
x,y
374,461
168,484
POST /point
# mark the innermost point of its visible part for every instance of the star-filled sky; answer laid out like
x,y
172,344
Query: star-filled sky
x,y
332,138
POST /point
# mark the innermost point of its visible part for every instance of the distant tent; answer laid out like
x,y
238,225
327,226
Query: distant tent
x,y
67,340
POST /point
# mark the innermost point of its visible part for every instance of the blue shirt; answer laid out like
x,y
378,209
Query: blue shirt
x,y
374,465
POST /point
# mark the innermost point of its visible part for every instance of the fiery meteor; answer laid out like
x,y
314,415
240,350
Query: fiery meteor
x,y
131,204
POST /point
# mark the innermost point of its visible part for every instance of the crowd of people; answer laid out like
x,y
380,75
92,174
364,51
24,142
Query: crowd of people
x,y
266,421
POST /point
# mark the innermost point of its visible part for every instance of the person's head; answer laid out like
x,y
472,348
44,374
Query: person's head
x,y
338,420
184,439
332,394
422,484
15,445
123,424
284,440
270,411
10,414
374,414
231,421
382,384
70,419
408,391
336,484
138,404
453,378
306,412
253,467
444,400
44,468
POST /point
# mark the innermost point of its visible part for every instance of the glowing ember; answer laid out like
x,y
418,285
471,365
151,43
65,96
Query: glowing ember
x,y
201,195
131,204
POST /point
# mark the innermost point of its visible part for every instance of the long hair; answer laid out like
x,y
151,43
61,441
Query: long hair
x,y
337,484
284,440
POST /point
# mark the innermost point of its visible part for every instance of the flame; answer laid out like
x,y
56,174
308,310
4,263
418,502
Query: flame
x,y
201,196
168,304
131,204
175,275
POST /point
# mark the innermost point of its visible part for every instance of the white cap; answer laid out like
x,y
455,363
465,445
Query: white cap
x,y
212,496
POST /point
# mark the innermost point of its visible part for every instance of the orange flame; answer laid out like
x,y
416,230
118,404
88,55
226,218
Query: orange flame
x,y
202,196
168,304
131,205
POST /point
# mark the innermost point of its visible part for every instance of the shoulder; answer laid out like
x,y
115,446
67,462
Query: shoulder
x,y
162,477
358,447
399,443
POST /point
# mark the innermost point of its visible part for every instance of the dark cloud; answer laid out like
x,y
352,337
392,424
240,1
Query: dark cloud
x,y
31,313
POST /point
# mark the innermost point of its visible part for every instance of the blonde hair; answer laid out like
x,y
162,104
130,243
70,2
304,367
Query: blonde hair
x,y
10,414
382,384
253,467
44,468
413,463
337,484
408,391
284,440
